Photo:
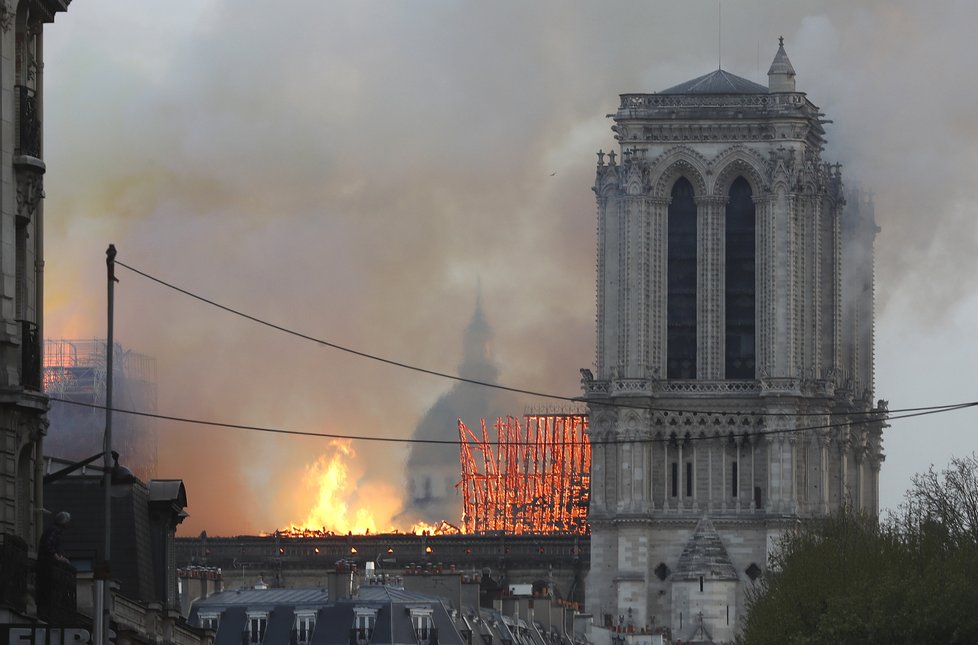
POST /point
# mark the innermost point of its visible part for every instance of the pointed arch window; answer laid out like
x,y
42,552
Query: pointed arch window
x,y
740,314
681,307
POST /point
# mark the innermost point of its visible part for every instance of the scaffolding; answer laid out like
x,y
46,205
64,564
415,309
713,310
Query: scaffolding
x,y
535,478
75,377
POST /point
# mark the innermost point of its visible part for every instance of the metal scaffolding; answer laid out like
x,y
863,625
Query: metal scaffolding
x,y
74,373
535,478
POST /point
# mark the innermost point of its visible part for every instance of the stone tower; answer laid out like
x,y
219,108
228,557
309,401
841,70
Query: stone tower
x,y
733,393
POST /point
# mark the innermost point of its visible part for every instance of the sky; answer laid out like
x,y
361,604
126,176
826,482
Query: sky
x,y
352,170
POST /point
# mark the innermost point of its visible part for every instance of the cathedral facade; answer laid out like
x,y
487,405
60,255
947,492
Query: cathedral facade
x,y
733,391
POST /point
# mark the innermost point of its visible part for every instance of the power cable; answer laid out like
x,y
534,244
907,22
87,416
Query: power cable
x,y
674,436
453,377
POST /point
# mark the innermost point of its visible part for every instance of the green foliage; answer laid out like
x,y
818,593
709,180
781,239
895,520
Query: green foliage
x,y
850,579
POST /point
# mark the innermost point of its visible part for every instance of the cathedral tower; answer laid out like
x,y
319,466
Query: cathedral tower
x,y
733,394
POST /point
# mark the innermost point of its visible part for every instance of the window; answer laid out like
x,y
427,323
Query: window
x,y
305,623
256,627
422,623
363,625
689,479
733,479
209,621
675,478
681,267
740,353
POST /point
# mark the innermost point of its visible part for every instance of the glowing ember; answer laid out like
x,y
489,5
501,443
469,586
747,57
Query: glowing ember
x,y
441,528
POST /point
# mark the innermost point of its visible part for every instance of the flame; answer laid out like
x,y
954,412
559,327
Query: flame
x,y
443,527
329,478
342,503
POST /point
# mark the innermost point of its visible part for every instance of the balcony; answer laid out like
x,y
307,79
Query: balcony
x,y
14,570
30,356
55,582
28,138
57,592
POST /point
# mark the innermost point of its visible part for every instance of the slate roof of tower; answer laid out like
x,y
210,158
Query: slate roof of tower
x,y
717,82
781,64
704,555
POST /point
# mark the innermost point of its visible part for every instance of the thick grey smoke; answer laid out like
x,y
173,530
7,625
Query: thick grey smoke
x,y
349,169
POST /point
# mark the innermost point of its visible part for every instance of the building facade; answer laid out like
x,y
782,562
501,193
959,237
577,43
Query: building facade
x,y
22,402
733,393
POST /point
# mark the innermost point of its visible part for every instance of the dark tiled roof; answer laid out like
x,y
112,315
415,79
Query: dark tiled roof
x,y
333,620
168,490
279,629
333,625
263,598
717,82
231,625
704,555
781,64
383,593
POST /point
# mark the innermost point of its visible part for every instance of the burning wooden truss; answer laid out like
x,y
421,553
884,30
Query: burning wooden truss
x,y
535,478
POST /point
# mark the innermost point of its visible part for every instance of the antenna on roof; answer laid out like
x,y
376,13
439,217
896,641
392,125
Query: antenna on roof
x,y
719,32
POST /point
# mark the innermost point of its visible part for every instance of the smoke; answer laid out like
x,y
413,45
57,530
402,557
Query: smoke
x,y
352,169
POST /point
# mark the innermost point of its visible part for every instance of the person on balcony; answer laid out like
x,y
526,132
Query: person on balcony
x,y
50,547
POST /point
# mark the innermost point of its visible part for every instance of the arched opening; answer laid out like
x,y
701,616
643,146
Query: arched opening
x,y
740,316
681,307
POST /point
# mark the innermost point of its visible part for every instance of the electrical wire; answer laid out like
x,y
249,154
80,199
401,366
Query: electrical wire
x,y
672,438
516,390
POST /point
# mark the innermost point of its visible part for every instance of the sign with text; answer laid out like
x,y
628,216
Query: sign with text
x,y
45,635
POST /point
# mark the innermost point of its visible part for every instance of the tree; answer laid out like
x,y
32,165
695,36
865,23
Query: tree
x,y
850,579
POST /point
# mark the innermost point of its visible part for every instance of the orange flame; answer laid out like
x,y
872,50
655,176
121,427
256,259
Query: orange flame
x,y
329,478
343,503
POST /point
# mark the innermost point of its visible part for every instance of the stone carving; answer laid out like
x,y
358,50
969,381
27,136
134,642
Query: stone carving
x,y
7,15
30,191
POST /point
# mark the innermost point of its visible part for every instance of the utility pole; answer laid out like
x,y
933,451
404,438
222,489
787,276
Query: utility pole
x,y
102,588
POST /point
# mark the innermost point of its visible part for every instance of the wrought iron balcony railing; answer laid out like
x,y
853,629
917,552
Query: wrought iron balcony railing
x,y
28,123
30,356
14,570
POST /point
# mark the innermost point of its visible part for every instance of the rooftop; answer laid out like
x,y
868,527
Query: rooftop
x,y
717,82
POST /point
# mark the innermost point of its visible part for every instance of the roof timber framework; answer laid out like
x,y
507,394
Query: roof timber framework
x,y
535,478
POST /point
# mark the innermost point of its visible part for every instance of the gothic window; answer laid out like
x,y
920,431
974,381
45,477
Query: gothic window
x,y
681,308
689,479
740,282
674,479
733,480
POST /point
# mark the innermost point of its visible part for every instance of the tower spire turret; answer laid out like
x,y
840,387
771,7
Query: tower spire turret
x,y
781,76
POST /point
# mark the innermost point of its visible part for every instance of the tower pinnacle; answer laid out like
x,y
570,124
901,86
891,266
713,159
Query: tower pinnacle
x,y
781,76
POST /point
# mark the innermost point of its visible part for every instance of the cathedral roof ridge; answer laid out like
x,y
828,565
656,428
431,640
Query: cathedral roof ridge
x,y
719,81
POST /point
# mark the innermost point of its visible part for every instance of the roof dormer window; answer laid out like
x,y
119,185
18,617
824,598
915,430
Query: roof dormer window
x,y
423,624
305,623
363,624
257,624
